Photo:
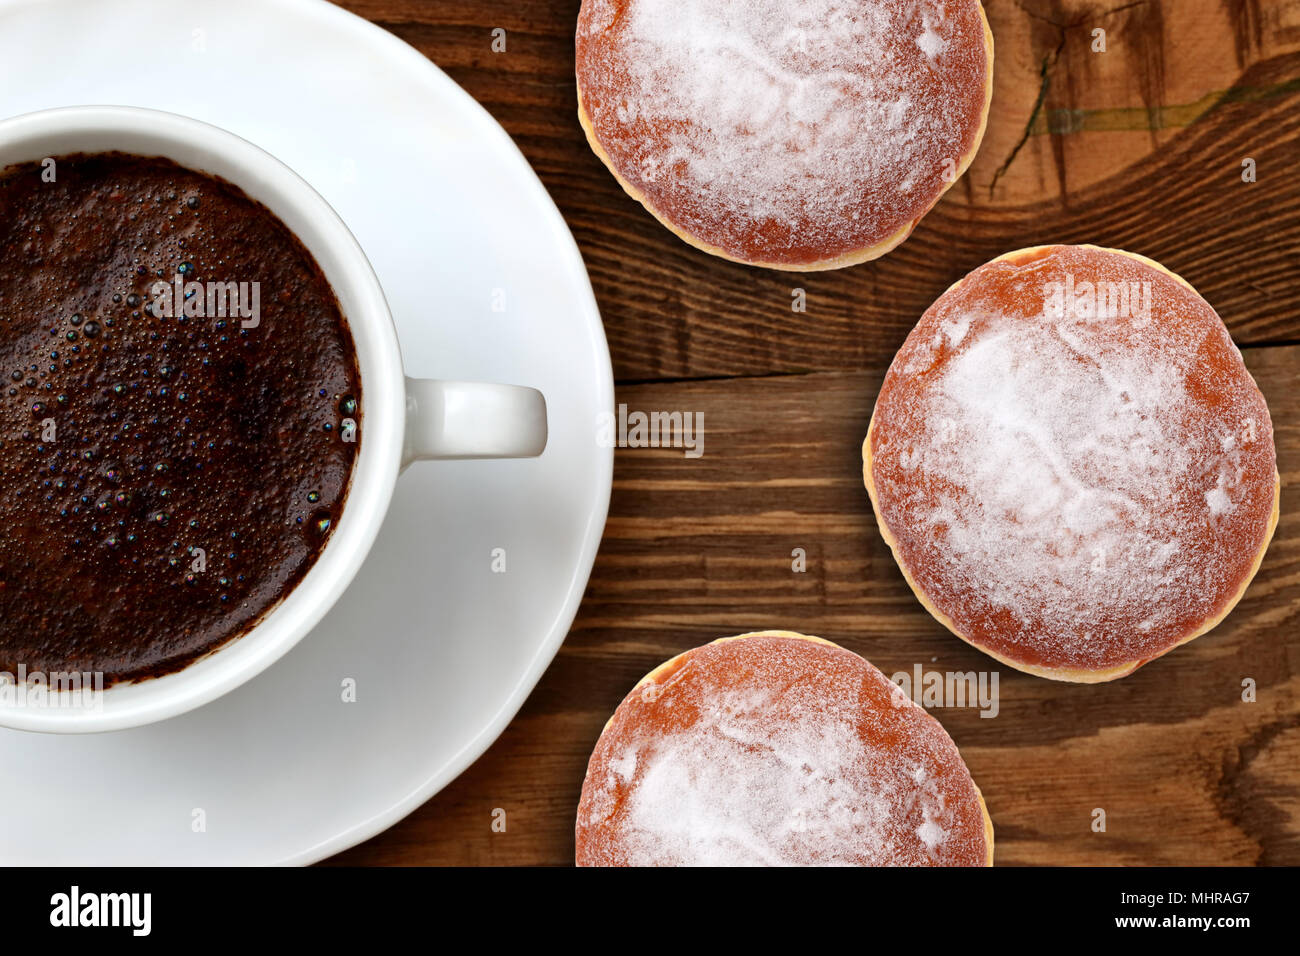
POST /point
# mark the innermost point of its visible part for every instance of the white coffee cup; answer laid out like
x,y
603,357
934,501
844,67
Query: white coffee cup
x,y
403,419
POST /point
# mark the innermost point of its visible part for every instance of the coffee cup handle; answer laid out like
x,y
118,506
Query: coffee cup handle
x,y
457,420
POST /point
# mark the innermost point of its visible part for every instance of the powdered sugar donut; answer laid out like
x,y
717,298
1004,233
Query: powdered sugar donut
x,y
793,134
1072,465
777,749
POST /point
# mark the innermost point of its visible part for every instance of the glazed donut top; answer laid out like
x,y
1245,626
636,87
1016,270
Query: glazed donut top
x,y
1074,488
784,131
776,750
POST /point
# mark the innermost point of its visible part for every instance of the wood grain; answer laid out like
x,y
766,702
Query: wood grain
x,y
1139,147
700,549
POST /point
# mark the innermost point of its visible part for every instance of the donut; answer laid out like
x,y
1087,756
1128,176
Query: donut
x,y
775,748
790,134
1071,464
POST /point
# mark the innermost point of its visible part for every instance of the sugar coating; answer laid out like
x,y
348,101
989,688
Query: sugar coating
x,y
1074,490
784,130
776,751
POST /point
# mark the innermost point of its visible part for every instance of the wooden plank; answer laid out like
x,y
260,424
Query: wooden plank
x,y
1139,147
701,548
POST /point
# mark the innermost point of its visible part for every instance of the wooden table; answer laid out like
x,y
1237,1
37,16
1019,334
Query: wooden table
x,y
1140,147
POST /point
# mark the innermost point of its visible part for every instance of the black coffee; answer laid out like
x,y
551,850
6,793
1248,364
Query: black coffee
x,y
179,414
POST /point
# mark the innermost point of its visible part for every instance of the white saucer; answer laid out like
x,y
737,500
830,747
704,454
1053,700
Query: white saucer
x,y
443,650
